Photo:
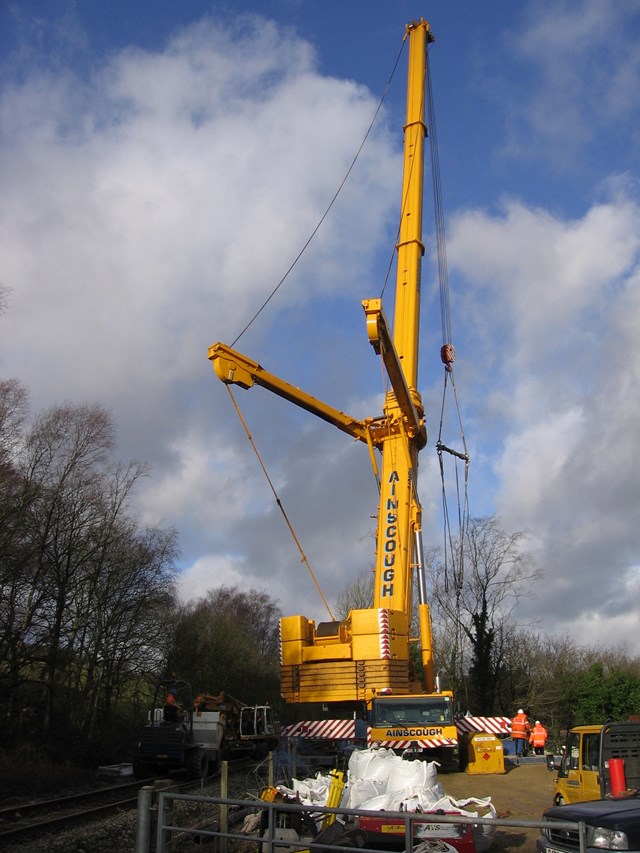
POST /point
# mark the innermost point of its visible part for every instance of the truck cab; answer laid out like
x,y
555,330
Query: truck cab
x,y
256,721
584,772
420,725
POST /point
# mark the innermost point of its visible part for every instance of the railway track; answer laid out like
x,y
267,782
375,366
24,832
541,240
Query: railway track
x,y
28,820
34,820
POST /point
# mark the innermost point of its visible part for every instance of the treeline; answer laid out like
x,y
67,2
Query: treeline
x,y
229,640
554,679
496,666
89,618
85,591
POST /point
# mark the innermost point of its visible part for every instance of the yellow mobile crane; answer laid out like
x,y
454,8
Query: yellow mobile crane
x,y
363,663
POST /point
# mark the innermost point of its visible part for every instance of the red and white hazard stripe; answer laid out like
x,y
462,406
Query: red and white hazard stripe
x,y
328,729
421,743
345,730
385,642
490,725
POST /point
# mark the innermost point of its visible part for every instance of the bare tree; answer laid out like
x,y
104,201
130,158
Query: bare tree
x,y
131,598
478,594
14,404
14,544
85,592
4,297
549,664
357,595
64,462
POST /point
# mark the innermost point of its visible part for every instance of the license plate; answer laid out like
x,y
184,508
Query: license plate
x,y
553,850
437,830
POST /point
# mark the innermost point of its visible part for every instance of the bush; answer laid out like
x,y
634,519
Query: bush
x,y
27,772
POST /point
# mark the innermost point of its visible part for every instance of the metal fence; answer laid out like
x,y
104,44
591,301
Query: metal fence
x,y
160,830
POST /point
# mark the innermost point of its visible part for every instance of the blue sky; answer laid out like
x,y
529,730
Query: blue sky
x,y
164,163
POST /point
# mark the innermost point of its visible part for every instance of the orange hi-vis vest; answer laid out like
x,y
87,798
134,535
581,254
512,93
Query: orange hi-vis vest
x,y
538,736
520,727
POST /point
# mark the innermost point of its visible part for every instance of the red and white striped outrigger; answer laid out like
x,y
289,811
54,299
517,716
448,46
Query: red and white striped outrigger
x,y
490,725
321,730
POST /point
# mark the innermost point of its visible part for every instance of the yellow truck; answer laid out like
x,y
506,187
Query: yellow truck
x,y
585,768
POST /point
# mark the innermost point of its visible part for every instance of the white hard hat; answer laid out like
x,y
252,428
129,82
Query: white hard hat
x,y
537,722
520,711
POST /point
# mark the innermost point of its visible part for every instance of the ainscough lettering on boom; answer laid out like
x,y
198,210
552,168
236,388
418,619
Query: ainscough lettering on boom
x,y
390,538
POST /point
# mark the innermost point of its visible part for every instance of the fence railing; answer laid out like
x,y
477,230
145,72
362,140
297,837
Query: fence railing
x,y
159,829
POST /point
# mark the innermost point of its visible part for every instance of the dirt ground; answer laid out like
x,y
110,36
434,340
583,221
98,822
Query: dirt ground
x,y
524,791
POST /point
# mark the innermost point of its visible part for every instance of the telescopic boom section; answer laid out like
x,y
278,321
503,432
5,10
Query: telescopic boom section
x,y
367,654
410,245
399,519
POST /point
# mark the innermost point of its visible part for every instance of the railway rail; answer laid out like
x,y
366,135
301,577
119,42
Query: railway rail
x,y
28,821
39,817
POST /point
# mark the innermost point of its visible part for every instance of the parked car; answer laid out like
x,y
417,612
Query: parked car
x,y
611,824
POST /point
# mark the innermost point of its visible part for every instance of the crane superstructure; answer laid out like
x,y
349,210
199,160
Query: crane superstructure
x,y
364,661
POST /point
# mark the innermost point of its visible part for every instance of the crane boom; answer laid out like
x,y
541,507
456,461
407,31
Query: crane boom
x,y
365,658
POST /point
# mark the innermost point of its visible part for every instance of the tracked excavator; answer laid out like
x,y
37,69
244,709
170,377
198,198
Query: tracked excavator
x,y
353,679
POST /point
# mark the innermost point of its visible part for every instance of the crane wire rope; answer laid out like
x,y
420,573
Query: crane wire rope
x,y
303,556
330,205
270,297
403,204
447,354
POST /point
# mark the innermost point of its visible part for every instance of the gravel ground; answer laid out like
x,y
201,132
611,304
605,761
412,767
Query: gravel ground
x,y
524,792
117,833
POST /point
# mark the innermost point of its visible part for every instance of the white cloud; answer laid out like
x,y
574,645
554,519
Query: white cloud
x,y
210,573
548,275
148,212
582,61
151,210
567,350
